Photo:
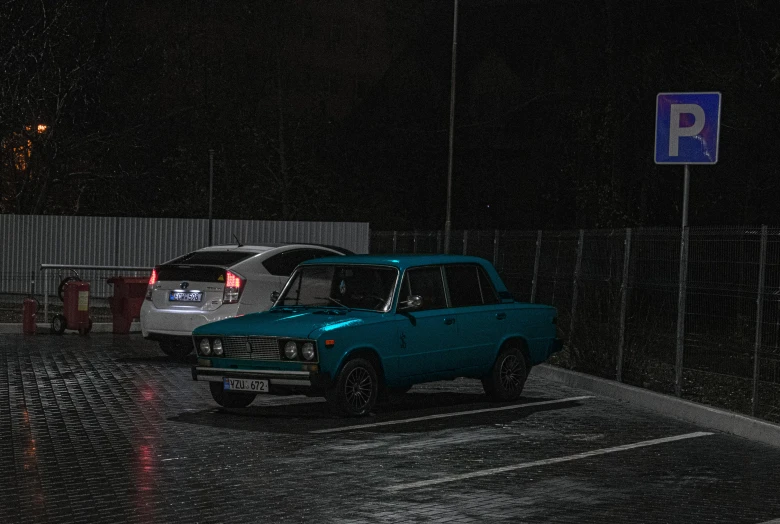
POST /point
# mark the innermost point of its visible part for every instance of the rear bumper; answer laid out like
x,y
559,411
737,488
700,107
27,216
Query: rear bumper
x,y
295,379
555,345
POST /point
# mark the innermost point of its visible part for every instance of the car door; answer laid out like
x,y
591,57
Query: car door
x,y
480,317
428,334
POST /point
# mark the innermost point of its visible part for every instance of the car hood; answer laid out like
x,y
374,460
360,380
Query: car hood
x,y
292,322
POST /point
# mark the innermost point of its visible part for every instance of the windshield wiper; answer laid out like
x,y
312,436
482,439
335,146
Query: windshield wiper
x,y
334,301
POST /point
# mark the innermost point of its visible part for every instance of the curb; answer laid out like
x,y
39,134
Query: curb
x,y
700,414
45,329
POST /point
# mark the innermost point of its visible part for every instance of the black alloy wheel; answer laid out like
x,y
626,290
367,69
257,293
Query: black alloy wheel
x,y
356,389
230,399
507,378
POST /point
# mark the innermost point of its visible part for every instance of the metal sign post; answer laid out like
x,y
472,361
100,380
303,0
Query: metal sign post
x,y
687,126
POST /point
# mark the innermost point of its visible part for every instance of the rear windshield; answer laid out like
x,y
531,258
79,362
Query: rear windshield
x,y
213,258
193,273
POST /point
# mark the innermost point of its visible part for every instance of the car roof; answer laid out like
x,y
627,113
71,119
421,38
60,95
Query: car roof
x,y
256,248
401,261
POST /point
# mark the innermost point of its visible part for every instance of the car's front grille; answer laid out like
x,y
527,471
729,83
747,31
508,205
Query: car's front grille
x,y
251,348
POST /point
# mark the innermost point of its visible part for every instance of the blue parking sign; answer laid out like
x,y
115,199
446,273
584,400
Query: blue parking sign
x,y
687,126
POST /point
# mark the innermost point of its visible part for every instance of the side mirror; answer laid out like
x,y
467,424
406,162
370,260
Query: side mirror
x,y
274,296
411,302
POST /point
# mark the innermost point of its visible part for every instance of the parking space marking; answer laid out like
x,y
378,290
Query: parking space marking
x,y
448,415
773,521
545,462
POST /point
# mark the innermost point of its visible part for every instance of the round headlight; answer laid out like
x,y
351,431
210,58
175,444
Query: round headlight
x,y
307,350
291,350
205,347
217,347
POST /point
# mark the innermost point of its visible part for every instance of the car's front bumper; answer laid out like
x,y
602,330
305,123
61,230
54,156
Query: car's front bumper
x,y
312,380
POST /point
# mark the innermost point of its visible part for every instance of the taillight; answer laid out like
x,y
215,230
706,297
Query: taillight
x,y
234,284
152,282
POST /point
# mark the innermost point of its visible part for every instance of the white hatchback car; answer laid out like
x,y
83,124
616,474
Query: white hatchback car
x,y
215,283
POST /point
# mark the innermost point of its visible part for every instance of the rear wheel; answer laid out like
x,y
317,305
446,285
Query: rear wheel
x,y
230,399
506,379
176,348
355,392
58,324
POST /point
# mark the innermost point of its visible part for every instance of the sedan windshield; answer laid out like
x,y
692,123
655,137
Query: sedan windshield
x,y
343,286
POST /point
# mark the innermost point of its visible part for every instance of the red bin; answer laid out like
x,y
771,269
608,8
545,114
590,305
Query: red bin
x,y
129,294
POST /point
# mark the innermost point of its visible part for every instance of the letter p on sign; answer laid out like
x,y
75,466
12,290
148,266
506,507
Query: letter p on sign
x,y
686,128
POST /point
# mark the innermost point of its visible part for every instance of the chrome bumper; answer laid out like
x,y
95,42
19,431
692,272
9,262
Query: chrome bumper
x,y
280,378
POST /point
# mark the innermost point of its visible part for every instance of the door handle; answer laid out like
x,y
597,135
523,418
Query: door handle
x,y
500,316
449,321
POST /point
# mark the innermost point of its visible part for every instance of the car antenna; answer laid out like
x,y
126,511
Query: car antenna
x,y
237,240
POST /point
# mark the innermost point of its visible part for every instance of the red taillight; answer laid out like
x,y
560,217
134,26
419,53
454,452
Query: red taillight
x,y
234,284
152,282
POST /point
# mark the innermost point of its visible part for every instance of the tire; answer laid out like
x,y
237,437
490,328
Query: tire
x,y
237,399
175,348
58,324
507,378
63,283
356,390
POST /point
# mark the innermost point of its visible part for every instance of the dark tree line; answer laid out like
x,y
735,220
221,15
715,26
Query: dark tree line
x,y
340,110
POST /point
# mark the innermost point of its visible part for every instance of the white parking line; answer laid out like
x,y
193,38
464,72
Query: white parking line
x,y
773,521
545,462
448,415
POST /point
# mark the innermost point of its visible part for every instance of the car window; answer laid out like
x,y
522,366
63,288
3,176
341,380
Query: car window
x,y
350,286
469,286
283,264
213,258
427,283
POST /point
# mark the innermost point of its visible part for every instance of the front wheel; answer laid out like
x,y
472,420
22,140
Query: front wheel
x,y
232,399
356,389
506,379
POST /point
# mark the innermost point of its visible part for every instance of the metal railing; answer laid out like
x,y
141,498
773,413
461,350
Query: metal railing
x,y
100,289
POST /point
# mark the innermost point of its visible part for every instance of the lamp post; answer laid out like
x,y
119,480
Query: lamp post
x,y
211,190
447,223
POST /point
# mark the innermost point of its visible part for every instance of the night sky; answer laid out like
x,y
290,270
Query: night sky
x,y
339,110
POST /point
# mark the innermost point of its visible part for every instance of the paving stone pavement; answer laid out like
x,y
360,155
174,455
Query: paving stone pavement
x,y
104,428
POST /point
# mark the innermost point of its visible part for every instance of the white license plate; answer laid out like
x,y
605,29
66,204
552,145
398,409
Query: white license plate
x,y
185,296
243,384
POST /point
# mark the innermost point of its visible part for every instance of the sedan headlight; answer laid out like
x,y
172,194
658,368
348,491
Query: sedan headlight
x,y
291,350
205,347
217,347
307,350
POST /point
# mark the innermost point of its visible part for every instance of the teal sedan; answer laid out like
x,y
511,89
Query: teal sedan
x,y
354,329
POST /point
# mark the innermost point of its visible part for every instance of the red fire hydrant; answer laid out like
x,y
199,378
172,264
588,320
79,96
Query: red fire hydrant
x,y
29,310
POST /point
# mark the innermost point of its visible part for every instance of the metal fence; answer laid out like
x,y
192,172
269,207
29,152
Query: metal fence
x,y
696,315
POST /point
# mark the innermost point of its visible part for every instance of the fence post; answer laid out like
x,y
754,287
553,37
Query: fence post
x,y
465,240
623,300
395,240
45,296
536,265
759,318
574,293
678,364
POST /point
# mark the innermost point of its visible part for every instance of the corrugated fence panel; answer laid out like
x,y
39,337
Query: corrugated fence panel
x,y
28,241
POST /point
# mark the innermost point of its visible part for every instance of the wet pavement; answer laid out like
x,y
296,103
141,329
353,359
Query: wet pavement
x,y
104,428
